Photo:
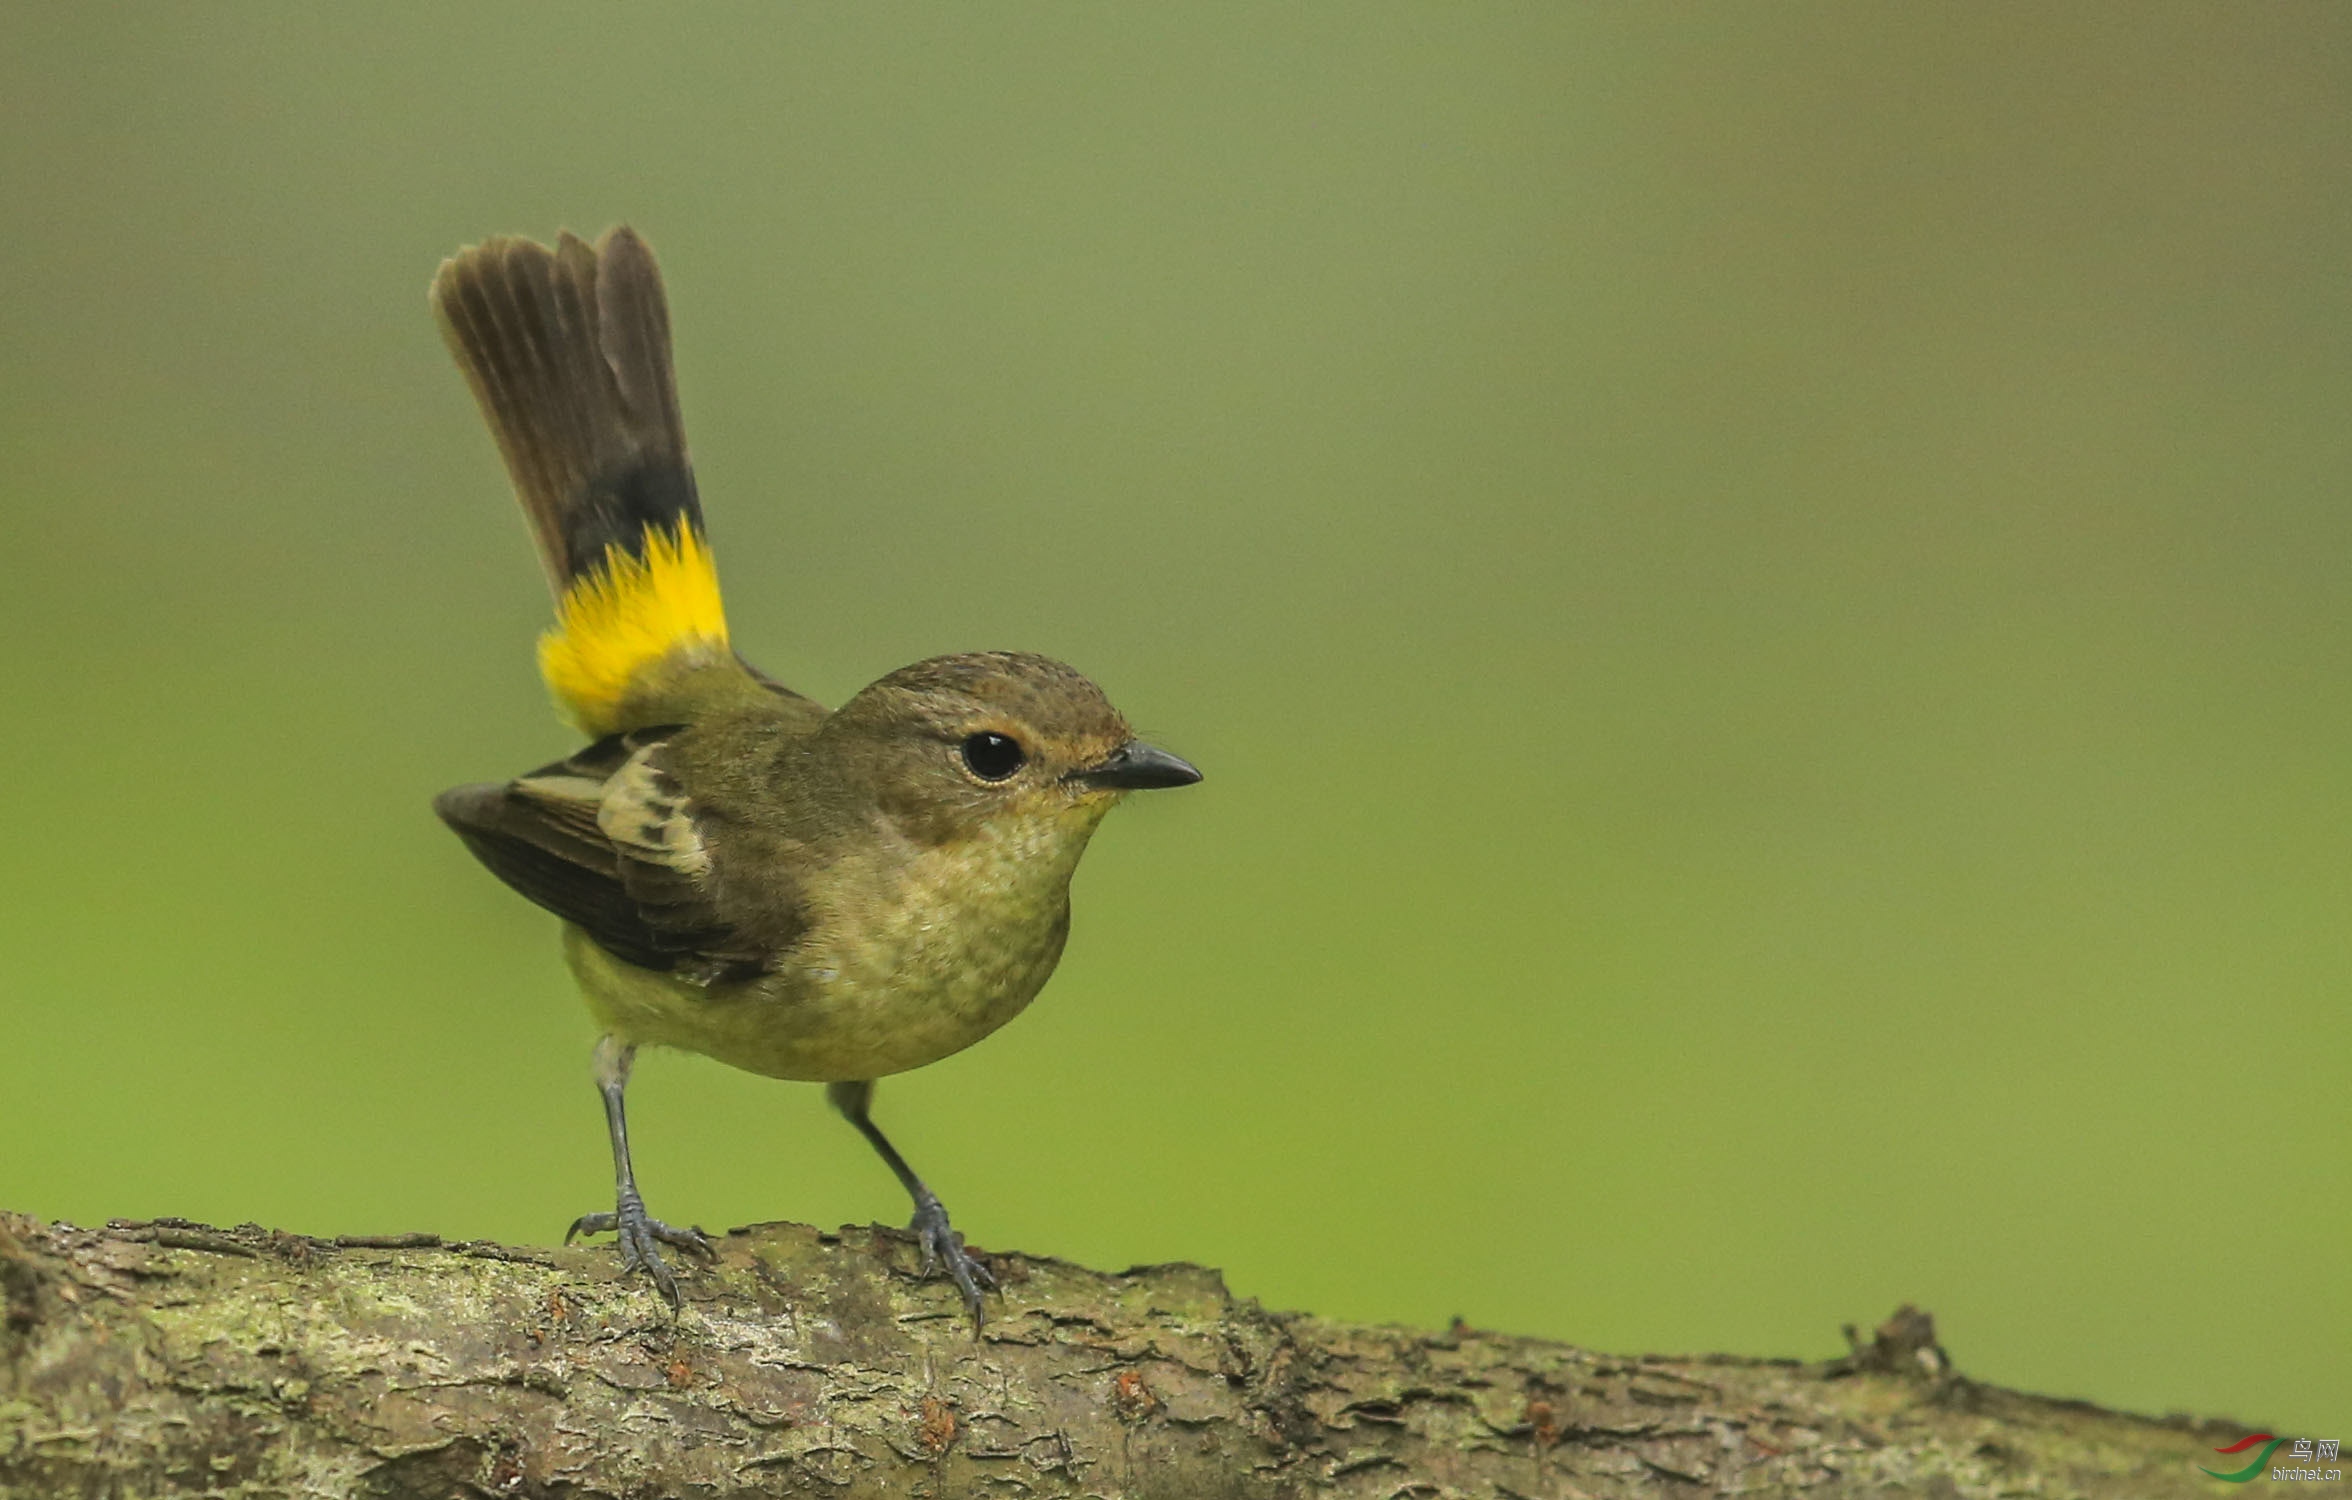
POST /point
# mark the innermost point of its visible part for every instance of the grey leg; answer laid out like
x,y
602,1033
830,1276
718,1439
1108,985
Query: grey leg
x,y
640,1235
942,1246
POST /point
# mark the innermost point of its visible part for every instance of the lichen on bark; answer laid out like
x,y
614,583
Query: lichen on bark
x,y
167,1359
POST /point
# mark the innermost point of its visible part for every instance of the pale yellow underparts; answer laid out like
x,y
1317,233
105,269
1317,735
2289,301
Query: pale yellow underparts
x,y
918,954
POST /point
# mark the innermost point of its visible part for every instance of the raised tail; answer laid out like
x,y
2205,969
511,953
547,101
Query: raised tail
x,y
568,352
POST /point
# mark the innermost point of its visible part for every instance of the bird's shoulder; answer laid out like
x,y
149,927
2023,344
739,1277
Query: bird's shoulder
x,y
661,843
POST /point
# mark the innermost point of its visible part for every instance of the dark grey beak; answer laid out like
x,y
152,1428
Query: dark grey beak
x,y
1135,767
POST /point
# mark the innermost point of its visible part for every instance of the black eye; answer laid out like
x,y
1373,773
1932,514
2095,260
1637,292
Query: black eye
x,y
993,757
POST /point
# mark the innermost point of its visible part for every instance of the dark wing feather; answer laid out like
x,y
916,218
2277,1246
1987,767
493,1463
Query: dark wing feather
x,y
607,841
578,884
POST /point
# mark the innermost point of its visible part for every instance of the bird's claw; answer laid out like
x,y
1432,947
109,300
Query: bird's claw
x,y
641,1236
943,1249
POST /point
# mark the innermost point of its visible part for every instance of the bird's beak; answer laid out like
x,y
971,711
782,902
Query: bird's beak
x,y
1136,766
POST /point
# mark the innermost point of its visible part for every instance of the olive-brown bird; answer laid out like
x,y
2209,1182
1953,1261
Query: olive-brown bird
x,y
830,897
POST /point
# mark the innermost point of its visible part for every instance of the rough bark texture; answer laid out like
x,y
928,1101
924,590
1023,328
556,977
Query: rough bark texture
x,y
172,1359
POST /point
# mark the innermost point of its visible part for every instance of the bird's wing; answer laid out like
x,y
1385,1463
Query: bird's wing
x,y
608,841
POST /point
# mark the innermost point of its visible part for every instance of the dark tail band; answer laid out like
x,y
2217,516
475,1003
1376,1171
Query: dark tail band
x,y
568,352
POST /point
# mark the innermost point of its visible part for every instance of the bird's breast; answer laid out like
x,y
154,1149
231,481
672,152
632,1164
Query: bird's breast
x,y
913,954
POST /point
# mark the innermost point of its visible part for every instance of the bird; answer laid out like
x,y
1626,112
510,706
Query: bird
x,y
818,896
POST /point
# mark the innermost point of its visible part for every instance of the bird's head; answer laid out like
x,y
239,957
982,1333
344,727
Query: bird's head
x,y
955,743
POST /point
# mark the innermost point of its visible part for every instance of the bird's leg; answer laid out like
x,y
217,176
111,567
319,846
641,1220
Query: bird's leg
x,y
942,1246
641,1235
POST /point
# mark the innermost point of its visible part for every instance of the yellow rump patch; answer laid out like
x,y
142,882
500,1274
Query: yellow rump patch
x,y
627,614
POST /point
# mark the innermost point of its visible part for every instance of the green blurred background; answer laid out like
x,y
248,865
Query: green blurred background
x,y
1762,591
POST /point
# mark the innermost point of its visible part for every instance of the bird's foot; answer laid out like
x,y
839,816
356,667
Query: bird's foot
x,y
641,1236
943,1249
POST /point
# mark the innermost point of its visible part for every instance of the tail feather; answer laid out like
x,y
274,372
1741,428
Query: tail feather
x,y
635,317
568,353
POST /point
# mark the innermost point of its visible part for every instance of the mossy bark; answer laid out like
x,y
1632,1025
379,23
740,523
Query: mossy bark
x,y
171,1359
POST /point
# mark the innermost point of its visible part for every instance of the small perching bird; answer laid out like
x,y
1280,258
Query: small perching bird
x,y
829,897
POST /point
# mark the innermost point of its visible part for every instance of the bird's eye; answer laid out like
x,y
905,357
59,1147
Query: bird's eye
x,y
993,757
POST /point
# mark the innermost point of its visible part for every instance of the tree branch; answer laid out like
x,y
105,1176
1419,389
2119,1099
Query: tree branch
x,y
169,1358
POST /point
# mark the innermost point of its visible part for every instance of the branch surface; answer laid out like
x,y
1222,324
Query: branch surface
x,y
167,1358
